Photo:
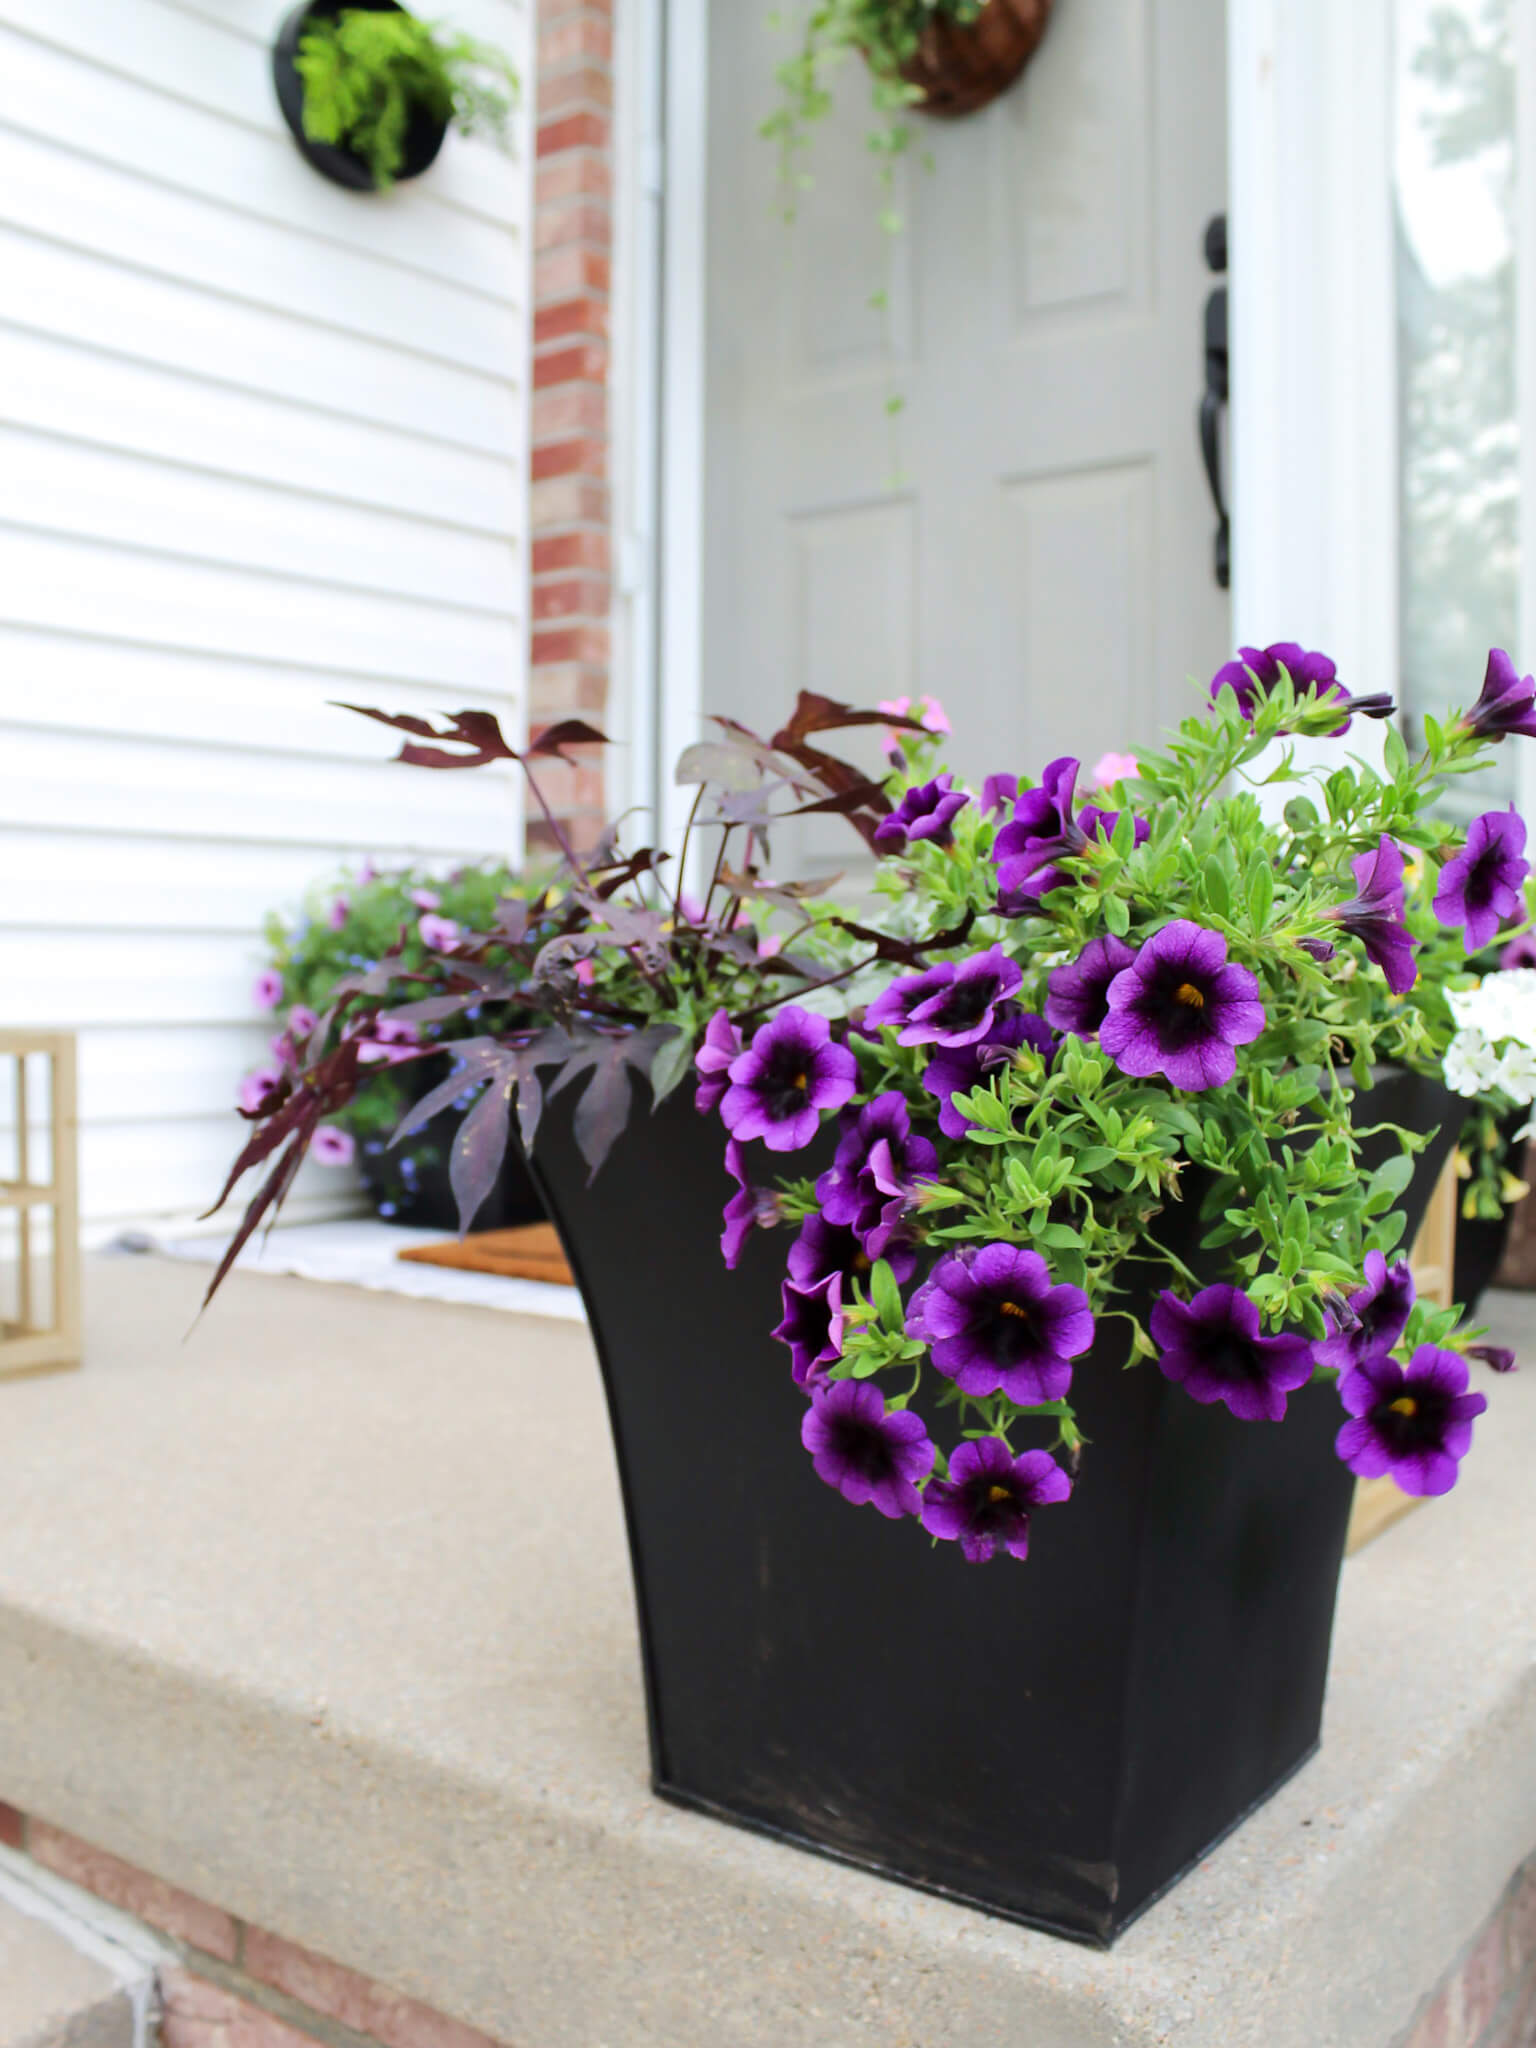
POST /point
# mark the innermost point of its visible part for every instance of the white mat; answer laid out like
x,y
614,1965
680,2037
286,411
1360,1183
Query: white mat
x,y
362,1252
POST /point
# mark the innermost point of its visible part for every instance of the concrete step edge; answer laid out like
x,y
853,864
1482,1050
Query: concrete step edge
x,y
128,1952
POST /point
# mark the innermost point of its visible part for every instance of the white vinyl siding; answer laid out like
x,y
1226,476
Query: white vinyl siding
x,y
262,447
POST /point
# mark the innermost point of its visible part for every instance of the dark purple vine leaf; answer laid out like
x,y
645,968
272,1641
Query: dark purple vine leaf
x,y
909,952
478,731
858,796
789,896
815,713
569,732
479,1148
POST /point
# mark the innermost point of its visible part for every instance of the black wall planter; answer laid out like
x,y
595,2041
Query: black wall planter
x,y
408,1183
423,138
1054,1741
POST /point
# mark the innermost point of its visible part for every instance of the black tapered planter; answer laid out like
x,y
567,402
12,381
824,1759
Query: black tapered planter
x,y
1481,1240
1054,1741
424,133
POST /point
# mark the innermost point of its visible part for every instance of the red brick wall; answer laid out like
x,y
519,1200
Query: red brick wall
x,y
570,511
1488,1998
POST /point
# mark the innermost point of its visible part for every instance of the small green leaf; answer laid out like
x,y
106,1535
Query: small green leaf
x,y
1218,889
1117,913
1261,894
673,1060
886,1296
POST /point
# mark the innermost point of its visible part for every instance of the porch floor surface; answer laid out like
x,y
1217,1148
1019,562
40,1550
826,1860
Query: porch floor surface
x,y
323,1613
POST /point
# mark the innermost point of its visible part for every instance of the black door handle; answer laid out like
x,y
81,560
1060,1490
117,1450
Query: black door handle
x,y
1213,399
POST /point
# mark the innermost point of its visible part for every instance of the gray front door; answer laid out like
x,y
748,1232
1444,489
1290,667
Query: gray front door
x,y
1030,539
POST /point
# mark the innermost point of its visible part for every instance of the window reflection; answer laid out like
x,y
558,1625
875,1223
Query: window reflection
x,y
1455,204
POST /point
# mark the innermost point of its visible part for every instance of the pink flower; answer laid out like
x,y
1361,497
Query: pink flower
x,y
256,1087
437,934
931,712
301,1021
1112,768
586,972
391,1039
367,872
426,899
332,1147
770,944
267,989
341,910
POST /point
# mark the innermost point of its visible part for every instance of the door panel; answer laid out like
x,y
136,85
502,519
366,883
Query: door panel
x,y
1030,539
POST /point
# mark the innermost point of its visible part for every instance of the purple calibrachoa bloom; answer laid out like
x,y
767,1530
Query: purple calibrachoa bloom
x,y
986,1500
954,1003
785,1078
868,1455
436,933
1483,884
267,989
957,1069
1077,995
1519,952
722,1044
1507,703
1093,820
301,1022
1415,1424
1257,670
821,1248
1498,1357
340,911
926,811
995,1324
1372,1320
812,1327
1180,1008
1212,1347
1374,915
333,1147
750,1208
1042,831
998,792
879,1159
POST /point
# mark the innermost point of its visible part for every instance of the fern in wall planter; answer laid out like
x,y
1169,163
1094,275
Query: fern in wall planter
x,y
370,92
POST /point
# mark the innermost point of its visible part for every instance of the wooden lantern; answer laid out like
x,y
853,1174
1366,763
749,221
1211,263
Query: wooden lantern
x,y
39,1205
1380,1502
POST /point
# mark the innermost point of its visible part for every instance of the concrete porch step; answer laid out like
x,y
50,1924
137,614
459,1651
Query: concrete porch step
x,y
70,1976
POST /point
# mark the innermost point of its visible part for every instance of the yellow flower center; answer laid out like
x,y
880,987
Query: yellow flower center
x,y
800,1081
1012,1308
1405,1405
1191,997
997,1493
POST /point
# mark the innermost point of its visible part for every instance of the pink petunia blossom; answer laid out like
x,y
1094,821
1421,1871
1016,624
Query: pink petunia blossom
x,y
256,1087
426,899
437,934
340,911
267,989
333,1147
389,1038
301,1021
1112,768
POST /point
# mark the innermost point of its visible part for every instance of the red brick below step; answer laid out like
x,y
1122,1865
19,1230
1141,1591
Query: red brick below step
x,y
201,2015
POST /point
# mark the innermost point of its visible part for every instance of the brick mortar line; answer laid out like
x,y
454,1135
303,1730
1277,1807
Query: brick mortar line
x,y
304,2019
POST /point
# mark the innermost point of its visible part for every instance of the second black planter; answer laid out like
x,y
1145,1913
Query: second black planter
x,y
423,137
1054,1741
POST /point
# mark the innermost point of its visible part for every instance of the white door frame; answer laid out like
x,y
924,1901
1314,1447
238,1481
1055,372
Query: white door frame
x,y
1313,340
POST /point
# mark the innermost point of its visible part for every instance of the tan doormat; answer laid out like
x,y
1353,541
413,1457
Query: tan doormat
x,y
530,1252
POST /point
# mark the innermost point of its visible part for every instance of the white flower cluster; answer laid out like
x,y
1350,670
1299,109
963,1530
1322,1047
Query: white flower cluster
x,y
1495,1043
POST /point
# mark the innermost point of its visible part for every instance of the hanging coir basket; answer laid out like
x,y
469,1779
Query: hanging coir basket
x,y
964,66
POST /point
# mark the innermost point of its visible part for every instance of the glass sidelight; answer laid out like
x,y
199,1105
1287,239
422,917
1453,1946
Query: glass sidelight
x,y
39,1217
1456,192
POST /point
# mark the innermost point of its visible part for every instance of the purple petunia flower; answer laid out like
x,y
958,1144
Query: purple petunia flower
x,y
1507,703
1093,820
1257,670
1375,914
1212,1347
1415,1424
267,989
426,899
389,1039
340,911
1180,1008
333,1147
1371,1321
998,792
256,1087
995,1324
868,1455
437,934
301,1022
1043,830
987,1498
1498,1357
951,1004
1077,995
822,1248
956,1070
722,1044
875,1171
925,812
749,1209
1519,952
782,1082
1483,884
812,1327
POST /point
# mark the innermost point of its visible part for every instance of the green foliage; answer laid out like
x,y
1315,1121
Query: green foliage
x,y
365,75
